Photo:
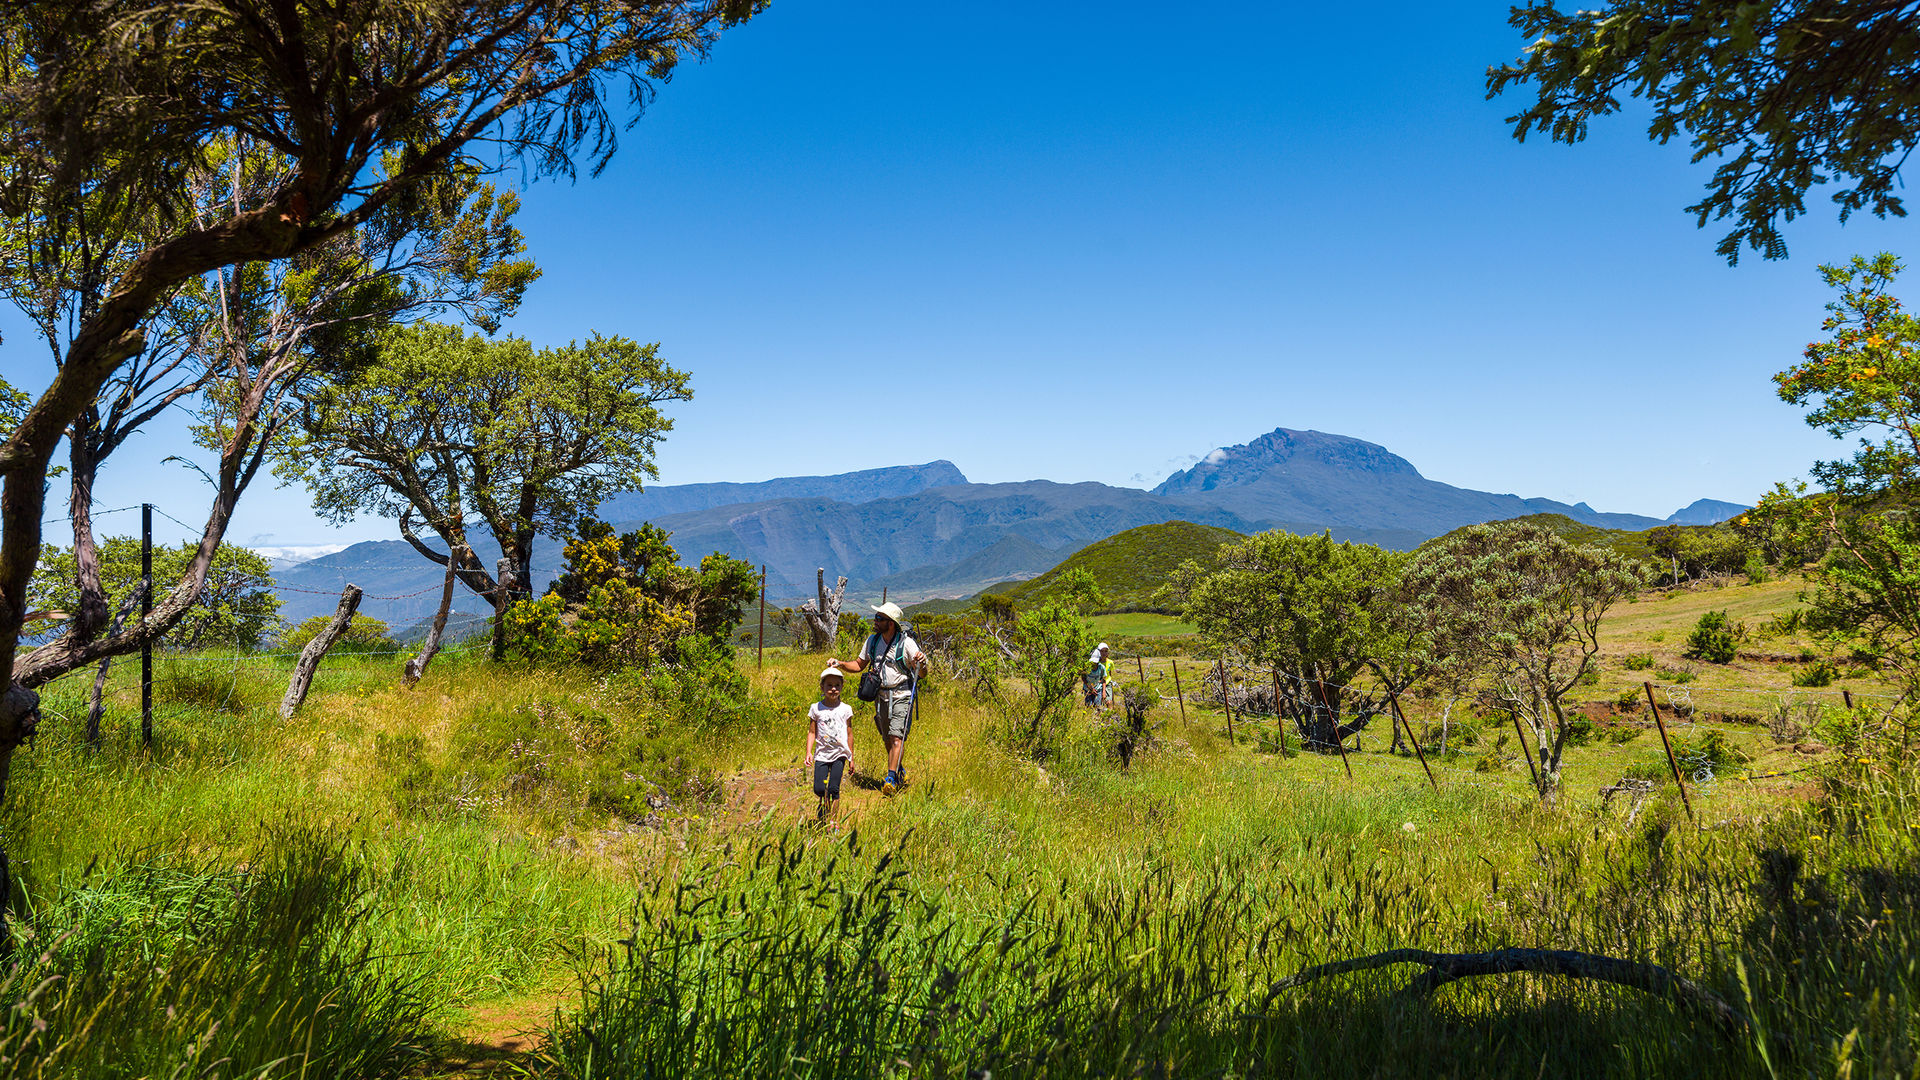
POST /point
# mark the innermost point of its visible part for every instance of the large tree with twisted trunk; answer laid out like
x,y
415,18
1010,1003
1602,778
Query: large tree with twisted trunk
x,y
110,109
448,429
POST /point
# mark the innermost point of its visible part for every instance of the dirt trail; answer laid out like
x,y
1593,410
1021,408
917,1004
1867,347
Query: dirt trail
x,y
497,1037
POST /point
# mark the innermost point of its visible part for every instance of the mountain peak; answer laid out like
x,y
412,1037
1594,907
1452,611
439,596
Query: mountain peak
x,y
1707,512
1288,451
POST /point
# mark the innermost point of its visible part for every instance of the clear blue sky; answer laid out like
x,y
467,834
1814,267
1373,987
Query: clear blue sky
x,y
1092,241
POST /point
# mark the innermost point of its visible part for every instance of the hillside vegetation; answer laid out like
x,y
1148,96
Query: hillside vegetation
x,y
417,882
1633,544
1130,567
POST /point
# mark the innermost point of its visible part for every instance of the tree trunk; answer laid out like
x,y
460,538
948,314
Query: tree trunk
x,y
822,614
95,708
502,599
310,656
417,667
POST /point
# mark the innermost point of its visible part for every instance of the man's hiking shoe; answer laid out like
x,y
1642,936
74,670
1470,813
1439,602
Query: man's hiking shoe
x,y
891,784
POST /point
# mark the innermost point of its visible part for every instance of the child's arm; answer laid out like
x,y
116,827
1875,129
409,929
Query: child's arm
x,y
813,729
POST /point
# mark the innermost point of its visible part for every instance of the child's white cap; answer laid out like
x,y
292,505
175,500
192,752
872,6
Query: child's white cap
x,y
835,673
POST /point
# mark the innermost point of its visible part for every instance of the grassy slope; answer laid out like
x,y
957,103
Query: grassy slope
x,y
1629,543
471,803
1129,566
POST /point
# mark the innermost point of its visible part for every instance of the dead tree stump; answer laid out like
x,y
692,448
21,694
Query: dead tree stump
x,y
309,661
822,614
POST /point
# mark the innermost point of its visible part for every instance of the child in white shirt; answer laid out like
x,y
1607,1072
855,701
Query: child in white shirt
x,y
829,746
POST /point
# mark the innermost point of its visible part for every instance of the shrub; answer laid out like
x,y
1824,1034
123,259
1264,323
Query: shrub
x,y
1681,676
1629,700
365,634
1787,622
1700,756
1580,729
1714,639
1624,734
1639,661
1819,673
1755,569
1590,677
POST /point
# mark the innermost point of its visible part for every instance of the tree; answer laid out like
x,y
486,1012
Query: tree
x,y
625,601
1048,648
239,342
1786,95
1317,611
236,609
106,108
1527,603
1864,378
451,428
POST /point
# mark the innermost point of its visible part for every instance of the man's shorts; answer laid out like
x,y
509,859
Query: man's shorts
x,y
893,714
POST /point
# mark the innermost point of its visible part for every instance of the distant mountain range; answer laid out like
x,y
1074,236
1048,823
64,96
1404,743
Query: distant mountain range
x,y
920,531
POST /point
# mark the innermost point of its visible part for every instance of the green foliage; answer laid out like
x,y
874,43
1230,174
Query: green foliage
x,y
1821,672
237,609
1634,546
1128,568
1638,661
260,969
1629,700
446,426
1691,551
1050,647
625,601
1790,95
1304,604
1081,590
1528,604
1863,378
1704,754
1714,639
364,634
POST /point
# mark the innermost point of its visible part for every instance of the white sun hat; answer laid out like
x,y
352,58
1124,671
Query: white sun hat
x,y
892,611
835,673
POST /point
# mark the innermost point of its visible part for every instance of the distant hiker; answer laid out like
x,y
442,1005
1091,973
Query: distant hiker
x,y
898,662
1094,680
829,745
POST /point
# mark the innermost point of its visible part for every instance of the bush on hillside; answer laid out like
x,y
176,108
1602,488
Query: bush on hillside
x,y
1714,639
365,634
625,601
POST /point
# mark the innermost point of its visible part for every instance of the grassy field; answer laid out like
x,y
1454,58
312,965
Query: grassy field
x,y
1139,624
572,875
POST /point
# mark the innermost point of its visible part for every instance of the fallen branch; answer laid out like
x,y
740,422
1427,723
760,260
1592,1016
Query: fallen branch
x,y
1443,968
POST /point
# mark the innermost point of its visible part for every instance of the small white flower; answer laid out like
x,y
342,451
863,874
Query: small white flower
x,y
1409,827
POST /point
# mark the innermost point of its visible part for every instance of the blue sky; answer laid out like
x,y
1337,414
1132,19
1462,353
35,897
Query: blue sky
x,y
1086,241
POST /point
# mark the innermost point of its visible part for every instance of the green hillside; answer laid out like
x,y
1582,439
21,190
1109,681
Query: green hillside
x,y
1129,566
1623,541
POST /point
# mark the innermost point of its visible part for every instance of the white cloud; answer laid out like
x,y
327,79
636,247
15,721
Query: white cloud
x,y
1216,457
294,554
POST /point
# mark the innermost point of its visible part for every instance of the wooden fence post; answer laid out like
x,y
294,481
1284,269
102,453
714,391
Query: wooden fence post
x,y
1179,698
303,668
1226,698
1533,770
1394,700
1672,762
1142,665
1333,714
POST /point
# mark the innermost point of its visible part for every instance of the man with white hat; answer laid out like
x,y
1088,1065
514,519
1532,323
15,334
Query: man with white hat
x,y
898,661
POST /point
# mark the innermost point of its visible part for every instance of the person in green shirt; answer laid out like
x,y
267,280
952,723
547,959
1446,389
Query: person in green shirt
x,y
1095,681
